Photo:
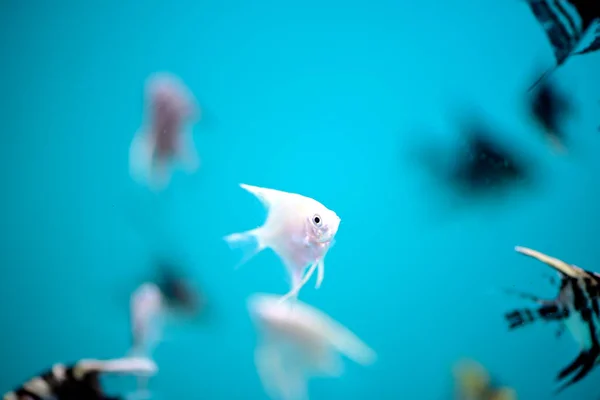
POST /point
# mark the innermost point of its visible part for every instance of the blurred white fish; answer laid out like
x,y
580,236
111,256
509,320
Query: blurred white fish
x,y
164,139
298,229
147,318
298,342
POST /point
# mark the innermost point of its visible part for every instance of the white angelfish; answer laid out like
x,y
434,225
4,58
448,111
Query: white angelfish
x,y
300,230
298,342
164,140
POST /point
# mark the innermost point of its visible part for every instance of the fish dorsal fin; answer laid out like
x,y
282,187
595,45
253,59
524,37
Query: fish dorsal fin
x,y
268,197
571,271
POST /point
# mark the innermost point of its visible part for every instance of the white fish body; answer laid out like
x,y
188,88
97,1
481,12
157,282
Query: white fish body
x,y
147,314
300,230
146,310
170,106
300,342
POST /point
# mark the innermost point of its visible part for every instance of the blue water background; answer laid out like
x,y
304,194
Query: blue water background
x,y
325,99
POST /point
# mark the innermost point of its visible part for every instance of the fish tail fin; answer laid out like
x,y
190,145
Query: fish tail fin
x,y
527,316
250,243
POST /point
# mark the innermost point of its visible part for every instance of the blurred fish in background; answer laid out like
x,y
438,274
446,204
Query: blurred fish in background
x,y
298,342
473,382
165,139
80,381
482,166
549,107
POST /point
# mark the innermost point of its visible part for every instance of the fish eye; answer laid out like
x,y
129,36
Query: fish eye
x,y
317,220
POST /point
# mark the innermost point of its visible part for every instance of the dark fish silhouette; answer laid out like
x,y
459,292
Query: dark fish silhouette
x,y
549,107
79,381
572,27
176,290
482,166
577,306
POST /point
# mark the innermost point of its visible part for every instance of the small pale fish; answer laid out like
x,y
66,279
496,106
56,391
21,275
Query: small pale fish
x,y
147,318
298,229
146,312
577,306
298,342
80,380
166,136
473,383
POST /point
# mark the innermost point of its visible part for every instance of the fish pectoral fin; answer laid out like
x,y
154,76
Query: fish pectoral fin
x,y
320,274
555,263
250,242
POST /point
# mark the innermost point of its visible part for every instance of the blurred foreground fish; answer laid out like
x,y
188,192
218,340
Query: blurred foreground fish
x,y
577,306
298,229
80,381
298,342
473,383
164,140
548,108
572,27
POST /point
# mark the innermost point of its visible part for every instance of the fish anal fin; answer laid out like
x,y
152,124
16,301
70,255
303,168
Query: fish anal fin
x,y
585,362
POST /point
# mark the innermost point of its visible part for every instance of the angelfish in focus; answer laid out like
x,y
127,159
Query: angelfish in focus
x,y
80,381
577,306
297,342
298,229
165,139
473,383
